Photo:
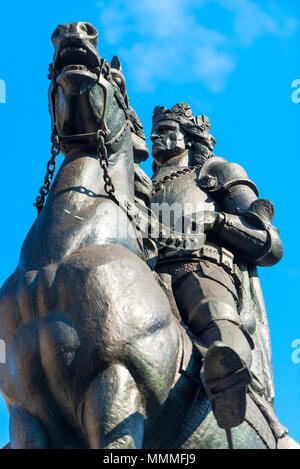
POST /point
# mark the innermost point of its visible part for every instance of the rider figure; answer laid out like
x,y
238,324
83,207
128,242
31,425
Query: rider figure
x,y
207,283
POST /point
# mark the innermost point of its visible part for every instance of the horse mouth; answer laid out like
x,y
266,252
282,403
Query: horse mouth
x,y
76,59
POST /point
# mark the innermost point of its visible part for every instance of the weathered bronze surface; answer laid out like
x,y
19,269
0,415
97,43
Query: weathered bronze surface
x,y
98,355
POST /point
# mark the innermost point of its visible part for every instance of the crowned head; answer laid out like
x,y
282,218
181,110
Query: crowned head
x,y
176,131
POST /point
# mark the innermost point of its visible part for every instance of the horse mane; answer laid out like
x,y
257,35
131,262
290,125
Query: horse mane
x,y
142,185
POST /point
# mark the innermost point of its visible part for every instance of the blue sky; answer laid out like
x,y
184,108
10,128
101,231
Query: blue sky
x,y
233,60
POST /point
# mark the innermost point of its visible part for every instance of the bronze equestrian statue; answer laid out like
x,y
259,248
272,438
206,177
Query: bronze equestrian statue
x,y
96,358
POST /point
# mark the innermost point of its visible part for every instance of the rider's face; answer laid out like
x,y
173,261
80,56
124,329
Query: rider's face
x,y
168,140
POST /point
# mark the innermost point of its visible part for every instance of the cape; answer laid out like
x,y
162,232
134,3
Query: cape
x,y
254,318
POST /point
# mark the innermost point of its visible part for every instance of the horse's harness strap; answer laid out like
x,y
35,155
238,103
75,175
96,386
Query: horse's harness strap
x,y
110,143
145,221
103,77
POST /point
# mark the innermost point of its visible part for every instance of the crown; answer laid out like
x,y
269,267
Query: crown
x,y
182,113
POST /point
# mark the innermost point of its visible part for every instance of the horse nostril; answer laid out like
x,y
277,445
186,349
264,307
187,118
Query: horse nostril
x,y
88,30
91,31
83,27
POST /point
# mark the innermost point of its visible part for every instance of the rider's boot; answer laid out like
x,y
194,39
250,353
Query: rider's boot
x,y
225,377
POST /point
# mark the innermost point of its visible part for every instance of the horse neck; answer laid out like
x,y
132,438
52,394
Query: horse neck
x,y
81,173
72,206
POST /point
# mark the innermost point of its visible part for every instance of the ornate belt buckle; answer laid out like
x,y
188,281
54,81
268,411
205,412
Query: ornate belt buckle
x,y
211,254
227,259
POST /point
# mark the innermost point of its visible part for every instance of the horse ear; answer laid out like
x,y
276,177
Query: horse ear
x,y
116,64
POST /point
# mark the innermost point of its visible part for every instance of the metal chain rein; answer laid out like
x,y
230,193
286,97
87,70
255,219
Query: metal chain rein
x,y
103,160
51,165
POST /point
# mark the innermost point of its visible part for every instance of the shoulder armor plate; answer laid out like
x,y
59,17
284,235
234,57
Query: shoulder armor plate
x,y
218,174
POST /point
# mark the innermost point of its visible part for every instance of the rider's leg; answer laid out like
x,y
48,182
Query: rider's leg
x,y
113,416
210,311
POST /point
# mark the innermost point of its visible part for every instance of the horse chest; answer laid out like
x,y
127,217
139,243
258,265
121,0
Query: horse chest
x,y
65,227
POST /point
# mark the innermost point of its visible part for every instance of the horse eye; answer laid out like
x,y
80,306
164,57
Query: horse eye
x,y
118,81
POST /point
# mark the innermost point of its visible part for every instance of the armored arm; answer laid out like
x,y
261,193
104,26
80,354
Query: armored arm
x,y
245,223
251,236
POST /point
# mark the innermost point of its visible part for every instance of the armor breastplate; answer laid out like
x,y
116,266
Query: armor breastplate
x,y
183,191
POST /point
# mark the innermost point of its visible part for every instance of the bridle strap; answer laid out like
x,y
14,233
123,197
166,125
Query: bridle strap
x,y
104,77
109,92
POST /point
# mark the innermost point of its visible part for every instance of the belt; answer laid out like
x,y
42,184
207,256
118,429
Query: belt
x,y
216,255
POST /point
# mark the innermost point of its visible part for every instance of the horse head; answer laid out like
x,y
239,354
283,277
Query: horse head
x,y
81,93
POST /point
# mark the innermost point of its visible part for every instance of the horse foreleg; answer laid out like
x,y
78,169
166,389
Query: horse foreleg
x,y
113,416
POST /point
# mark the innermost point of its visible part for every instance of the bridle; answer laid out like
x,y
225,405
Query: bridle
x,y
104,79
